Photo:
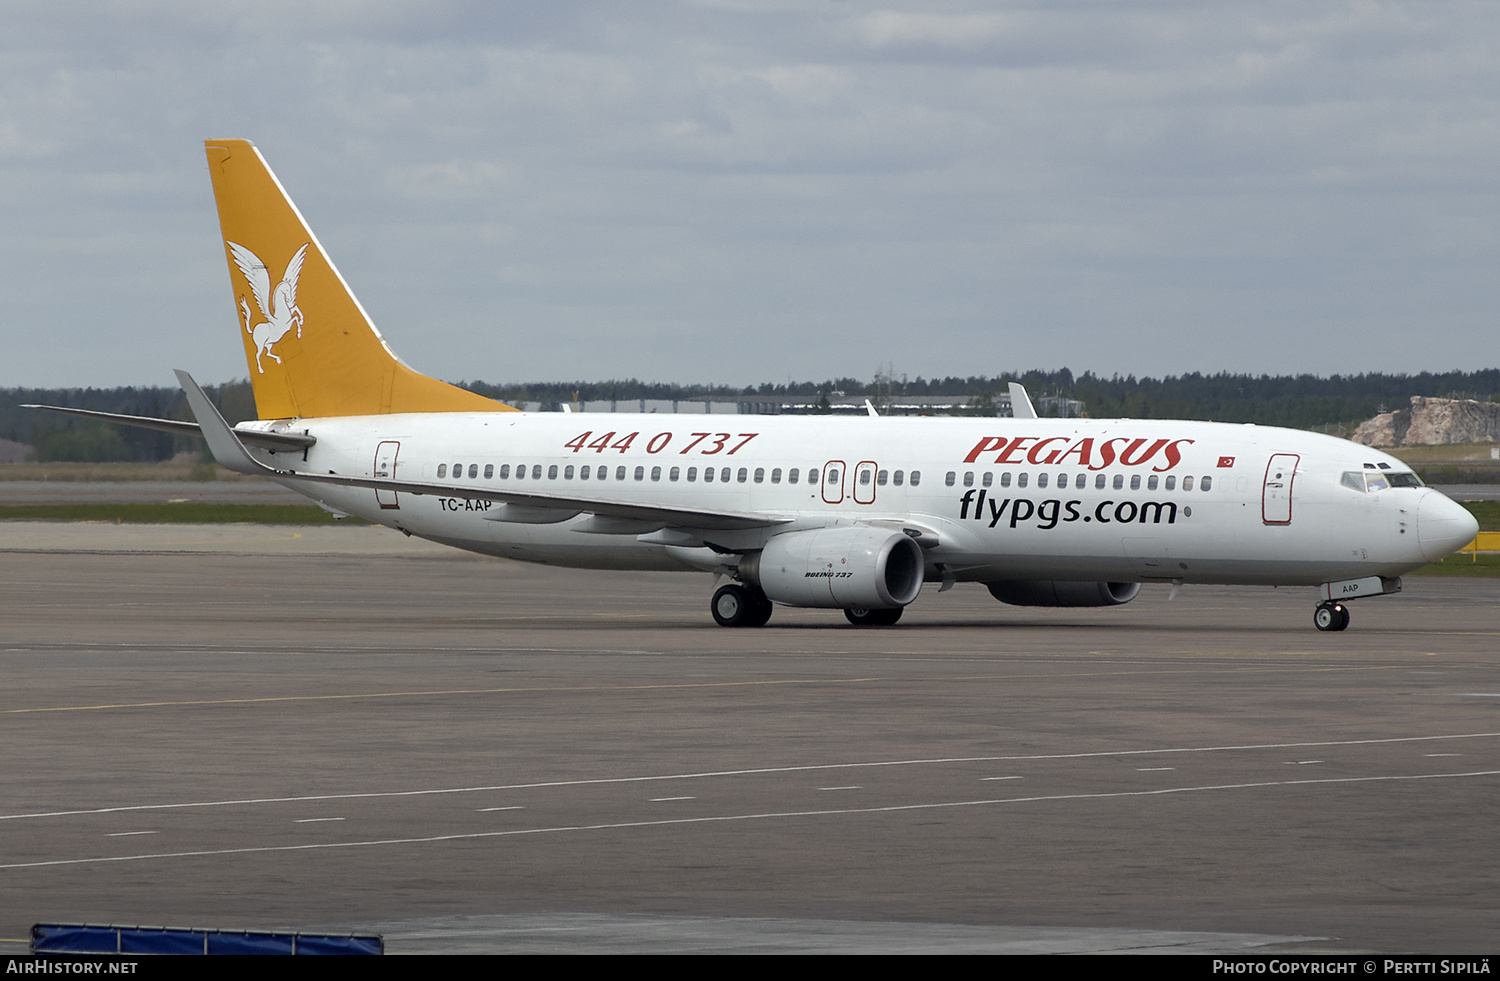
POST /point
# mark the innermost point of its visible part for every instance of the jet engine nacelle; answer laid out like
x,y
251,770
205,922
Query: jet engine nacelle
x,y
850,567
1050,592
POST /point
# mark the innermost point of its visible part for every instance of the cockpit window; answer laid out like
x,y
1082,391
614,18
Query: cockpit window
x,y
1368,482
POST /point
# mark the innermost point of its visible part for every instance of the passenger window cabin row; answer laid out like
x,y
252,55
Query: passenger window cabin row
x,y
1081,481
742,475
709,475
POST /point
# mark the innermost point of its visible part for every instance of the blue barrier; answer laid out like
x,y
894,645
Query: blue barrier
x,y
86,938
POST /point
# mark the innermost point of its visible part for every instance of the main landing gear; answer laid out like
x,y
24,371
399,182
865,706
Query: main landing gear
x,y
739,606
1331,616
872,618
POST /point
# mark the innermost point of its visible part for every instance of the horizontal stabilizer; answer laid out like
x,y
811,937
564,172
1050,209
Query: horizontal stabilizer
x,y
257,438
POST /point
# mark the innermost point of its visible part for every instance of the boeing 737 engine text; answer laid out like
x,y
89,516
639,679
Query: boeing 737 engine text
x,y
839,513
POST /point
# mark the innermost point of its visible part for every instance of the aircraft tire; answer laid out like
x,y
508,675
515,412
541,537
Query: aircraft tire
x,y
861,617
736,606
762,615
1331,616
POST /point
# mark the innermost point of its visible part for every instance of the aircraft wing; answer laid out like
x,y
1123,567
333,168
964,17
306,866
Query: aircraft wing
x,y
560,507
264,440
525,506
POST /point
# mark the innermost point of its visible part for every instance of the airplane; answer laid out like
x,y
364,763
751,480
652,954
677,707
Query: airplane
x,y
845,513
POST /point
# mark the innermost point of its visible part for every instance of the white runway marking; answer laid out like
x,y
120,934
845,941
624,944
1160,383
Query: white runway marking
x,y
851,787
315,820
773,815
513,807
658,800
985,779
1153,769
127,834
1249,747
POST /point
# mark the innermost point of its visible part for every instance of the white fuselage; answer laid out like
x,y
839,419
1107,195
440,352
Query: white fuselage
x,y
1005,499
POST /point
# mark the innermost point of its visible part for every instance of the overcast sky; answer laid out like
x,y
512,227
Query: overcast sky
x,y
739,192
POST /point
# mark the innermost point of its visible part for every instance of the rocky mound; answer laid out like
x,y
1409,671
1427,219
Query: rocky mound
x,y
1432,422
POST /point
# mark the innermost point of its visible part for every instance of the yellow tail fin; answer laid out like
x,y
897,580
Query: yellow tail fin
x,y
311,347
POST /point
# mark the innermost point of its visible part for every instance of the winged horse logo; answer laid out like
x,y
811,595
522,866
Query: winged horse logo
x,y
278,306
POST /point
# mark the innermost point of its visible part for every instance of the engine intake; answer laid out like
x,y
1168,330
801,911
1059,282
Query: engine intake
x,y
1056,592
838,568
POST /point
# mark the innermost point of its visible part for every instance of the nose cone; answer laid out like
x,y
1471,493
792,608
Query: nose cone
x,y
1443,527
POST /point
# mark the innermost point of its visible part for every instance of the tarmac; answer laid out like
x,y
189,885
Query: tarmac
x,y
337,727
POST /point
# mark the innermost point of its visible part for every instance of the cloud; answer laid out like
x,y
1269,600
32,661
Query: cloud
x,y
894,28
733,192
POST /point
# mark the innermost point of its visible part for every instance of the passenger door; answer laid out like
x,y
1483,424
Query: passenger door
x,y
1276,492
385,466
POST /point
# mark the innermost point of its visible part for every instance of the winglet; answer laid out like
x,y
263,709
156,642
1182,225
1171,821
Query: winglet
x,y
1020,402
222,442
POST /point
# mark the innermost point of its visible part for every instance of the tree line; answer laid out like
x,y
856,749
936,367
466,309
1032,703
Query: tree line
x,y
1334,404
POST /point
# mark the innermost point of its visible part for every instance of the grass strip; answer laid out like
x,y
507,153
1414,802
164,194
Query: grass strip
x,y
1486,565
1487,513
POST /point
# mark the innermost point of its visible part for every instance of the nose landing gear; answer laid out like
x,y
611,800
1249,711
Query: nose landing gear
x,y
1331,616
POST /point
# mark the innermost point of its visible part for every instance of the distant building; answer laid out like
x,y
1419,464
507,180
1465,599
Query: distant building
x,y
835,403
